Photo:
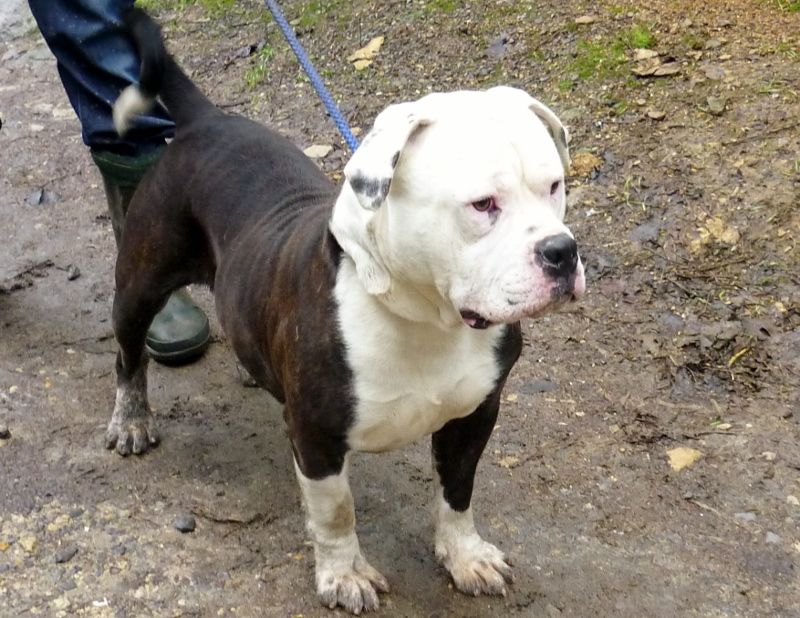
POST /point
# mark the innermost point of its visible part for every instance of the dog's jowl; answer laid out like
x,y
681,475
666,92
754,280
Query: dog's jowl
x,y
377,312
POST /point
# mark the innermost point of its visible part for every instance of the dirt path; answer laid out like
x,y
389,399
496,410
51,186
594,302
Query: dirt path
x,y
684,200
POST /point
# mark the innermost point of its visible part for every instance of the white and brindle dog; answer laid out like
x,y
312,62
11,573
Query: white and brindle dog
x,y
379,312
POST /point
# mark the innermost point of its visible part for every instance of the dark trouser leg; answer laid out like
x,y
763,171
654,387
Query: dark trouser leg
x,y
475,565
96,61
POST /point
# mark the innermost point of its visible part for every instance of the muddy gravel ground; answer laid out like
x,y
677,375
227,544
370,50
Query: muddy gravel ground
x,y
683,197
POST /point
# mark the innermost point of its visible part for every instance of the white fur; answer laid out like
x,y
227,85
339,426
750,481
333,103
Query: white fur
x,y
130,103
475,565
426,237
412,373
343,576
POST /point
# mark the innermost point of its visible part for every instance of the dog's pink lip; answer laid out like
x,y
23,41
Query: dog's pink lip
x,y
475,320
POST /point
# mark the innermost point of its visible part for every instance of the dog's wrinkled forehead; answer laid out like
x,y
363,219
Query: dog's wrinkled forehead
x,y
371,168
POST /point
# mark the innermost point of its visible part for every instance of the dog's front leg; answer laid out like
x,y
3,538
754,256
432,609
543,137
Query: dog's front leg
x,y
475,565
343,576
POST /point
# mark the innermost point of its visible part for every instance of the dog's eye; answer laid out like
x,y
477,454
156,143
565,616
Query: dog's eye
x,y
554,187
485,205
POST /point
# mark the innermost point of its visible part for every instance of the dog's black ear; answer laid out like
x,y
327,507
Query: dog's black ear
x,y
554,126
371,168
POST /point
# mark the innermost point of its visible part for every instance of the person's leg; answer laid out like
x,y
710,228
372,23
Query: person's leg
x,y
96,61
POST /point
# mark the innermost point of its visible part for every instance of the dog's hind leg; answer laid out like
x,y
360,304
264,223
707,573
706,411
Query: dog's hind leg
x,y
132,429
159,253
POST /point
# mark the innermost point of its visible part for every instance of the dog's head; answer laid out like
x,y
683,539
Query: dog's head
x,y
463,193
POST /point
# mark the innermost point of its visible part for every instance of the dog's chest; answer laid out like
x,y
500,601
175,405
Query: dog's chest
x,y
409,380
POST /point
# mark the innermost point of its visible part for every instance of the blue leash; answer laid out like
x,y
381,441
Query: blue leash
x,y
316,80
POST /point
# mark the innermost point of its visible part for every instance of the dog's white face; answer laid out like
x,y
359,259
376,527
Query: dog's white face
x,y
461,196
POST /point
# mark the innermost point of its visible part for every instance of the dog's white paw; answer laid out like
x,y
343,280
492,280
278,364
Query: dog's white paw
x,y
477,567
134,435
354,587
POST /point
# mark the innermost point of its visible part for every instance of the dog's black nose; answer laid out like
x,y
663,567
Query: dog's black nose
x,y
558,254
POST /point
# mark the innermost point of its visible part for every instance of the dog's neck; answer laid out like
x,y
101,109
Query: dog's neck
x,y
417,304
402,301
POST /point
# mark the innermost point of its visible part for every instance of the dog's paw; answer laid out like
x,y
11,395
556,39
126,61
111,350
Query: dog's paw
x,y
354,588
477,567
133,435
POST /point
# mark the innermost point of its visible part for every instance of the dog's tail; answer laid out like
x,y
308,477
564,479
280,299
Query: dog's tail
x,y
160,76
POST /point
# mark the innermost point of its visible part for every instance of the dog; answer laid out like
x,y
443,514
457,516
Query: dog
x,y
378,312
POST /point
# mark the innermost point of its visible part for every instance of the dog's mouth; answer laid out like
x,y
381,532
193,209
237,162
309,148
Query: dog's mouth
x,y
475,320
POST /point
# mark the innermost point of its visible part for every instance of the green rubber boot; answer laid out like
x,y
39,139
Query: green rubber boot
x,y
179,333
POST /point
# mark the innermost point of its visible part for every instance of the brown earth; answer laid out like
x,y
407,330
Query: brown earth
x,y
684,202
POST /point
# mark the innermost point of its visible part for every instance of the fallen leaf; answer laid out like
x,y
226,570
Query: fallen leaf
x,y
584,163
714,229
362,58
318,151
682,457
722,232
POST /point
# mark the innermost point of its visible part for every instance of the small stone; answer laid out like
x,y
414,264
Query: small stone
x,y
644,54
119,550
712,44
65,554
666,69
73,272
769,455
184,523
585,20
793,500
28,543
35,198
745,516
656,114
772,538
5,434
716,105
63,113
